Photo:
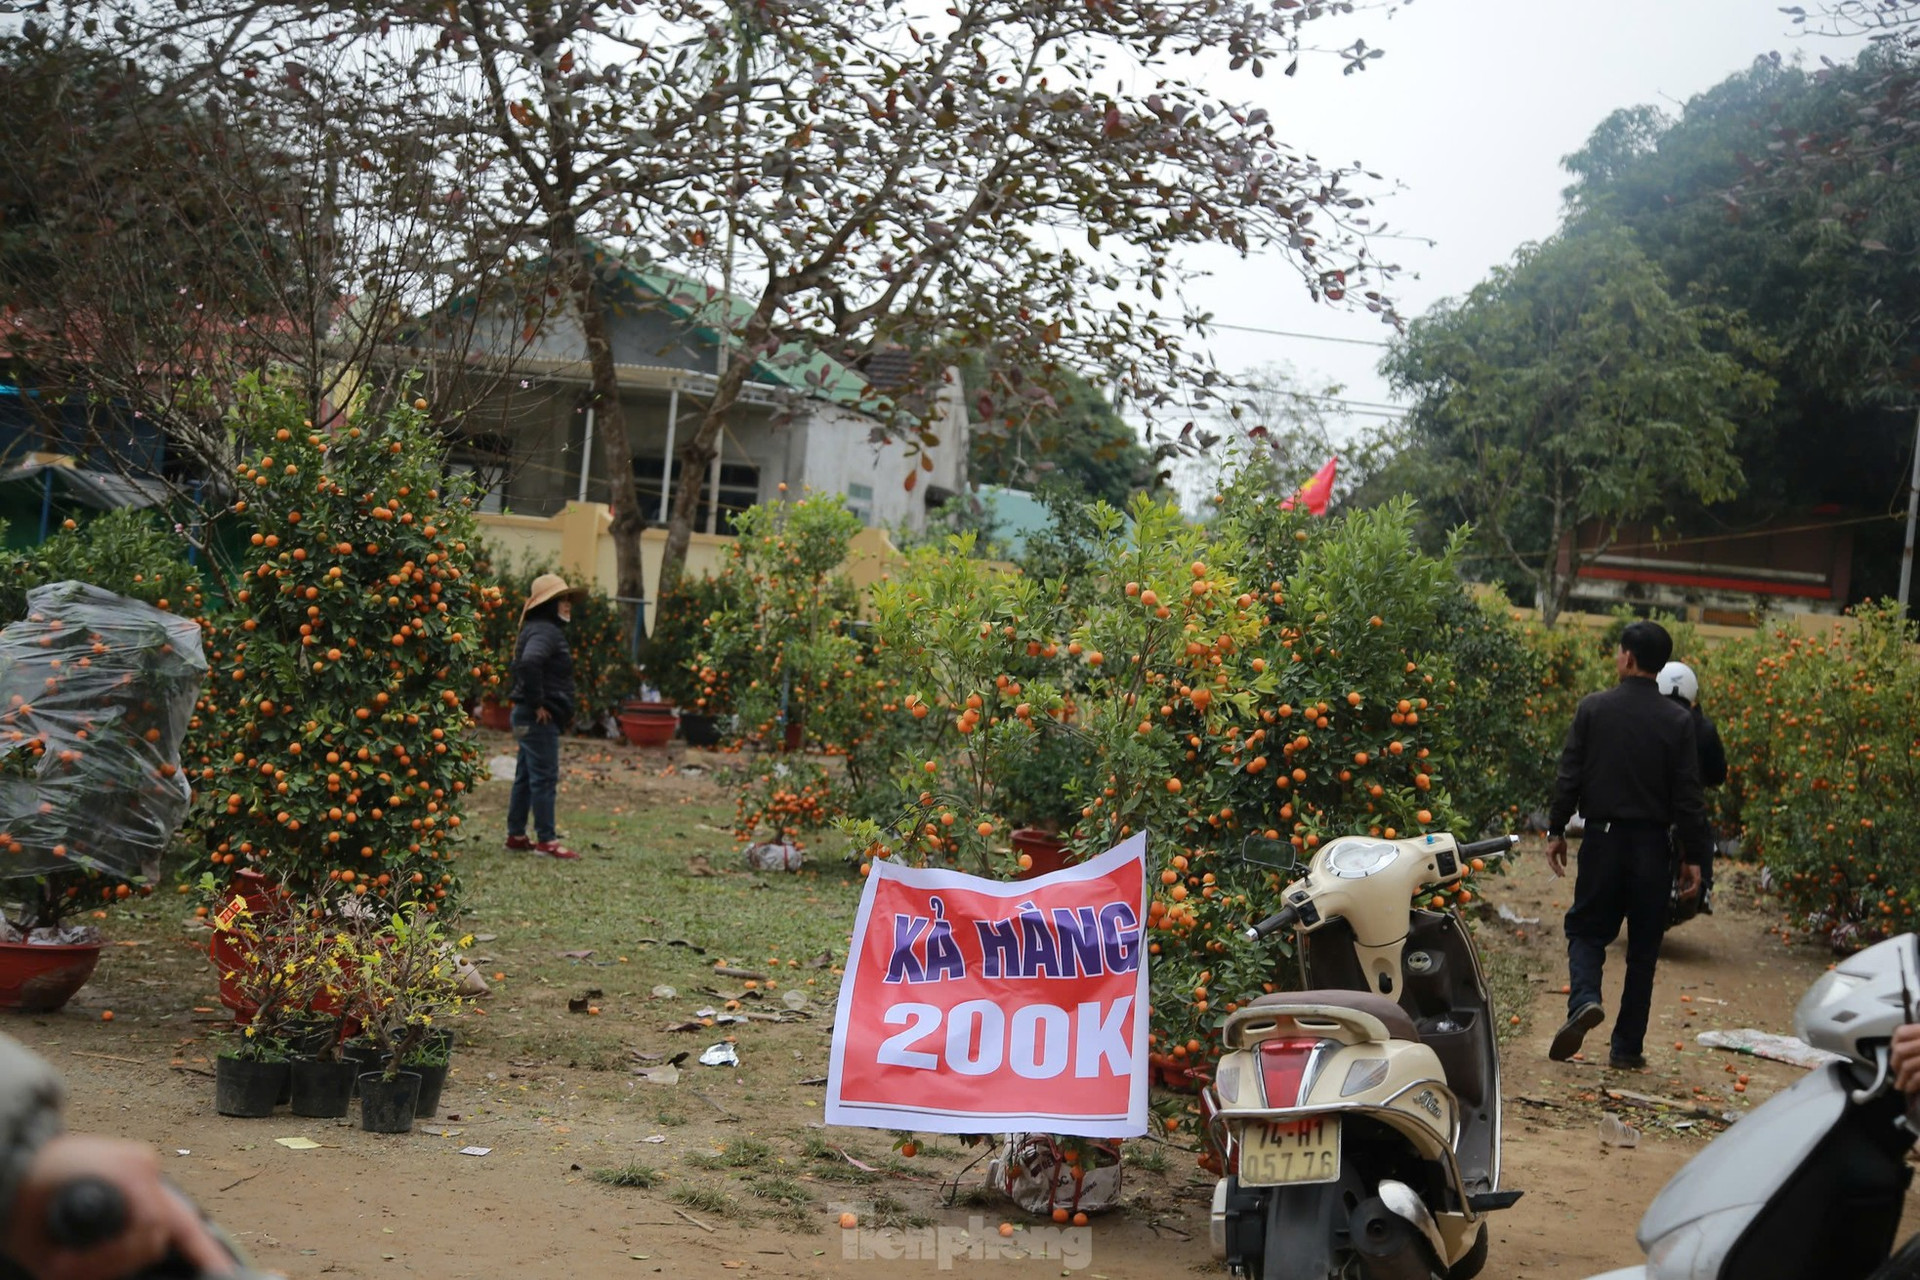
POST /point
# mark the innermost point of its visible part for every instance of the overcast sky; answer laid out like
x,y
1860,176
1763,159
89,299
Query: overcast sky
x,y
1466,119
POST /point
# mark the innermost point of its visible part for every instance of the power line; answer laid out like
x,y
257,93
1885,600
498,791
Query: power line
x,y
1289,333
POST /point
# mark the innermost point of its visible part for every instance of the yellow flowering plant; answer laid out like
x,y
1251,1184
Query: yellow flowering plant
x,y
405,985
282,965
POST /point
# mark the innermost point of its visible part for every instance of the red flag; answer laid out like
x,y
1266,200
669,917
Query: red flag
x,y
1315,493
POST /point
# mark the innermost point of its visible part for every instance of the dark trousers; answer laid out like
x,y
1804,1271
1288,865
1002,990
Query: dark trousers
x,y
536,775
1626,873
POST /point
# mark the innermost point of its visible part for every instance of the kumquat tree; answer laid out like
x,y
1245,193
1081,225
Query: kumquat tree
x,y
781,652
332,748
1253,686
1823,750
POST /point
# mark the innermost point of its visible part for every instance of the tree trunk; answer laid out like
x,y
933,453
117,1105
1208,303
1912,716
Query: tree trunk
x,y
1554,585
610,428
696,456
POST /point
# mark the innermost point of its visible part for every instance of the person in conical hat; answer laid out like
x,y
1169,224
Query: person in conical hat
x,y
542,698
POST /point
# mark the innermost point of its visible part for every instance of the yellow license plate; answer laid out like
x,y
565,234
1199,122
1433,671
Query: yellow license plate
x,y
1273,1155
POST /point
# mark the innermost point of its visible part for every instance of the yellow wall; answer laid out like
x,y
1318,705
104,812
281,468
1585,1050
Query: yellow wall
x,y
579,540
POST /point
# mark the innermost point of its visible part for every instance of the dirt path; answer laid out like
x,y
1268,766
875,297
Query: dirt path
x,y
362,1205
1584,1199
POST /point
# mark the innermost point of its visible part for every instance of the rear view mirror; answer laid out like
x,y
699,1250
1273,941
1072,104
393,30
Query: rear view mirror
x,y
1277,855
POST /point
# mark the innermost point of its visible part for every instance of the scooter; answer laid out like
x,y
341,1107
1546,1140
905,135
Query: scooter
x,y
1810,1185
1358,1122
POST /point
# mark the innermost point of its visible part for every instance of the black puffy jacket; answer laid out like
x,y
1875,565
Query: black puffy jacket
x,y
543,669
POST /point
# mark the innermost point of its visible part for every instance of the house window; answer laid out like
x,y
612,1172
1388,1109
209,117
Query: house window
x,y
860,501
739,489
485,461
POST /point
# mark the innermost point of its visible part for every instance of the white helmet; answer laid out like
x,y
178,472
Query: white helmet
x,y
1678,677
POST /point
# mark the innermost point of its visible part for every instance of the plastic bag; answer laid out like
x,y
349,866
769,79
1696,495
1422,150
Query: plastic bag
x,y
96,692
774,857
1033,1171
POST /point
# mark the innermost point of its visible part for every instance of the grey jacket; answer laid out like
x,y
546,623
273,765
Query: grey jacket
x,y
29,1113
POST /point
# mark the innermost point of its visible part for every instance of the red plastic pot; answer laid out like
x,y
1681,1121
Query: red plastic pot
x,y
496,715
1048,851
37,979
648,724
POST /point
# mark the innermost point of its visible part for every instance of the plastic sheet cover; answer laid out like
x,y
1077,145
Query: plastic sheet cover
x,y
96,692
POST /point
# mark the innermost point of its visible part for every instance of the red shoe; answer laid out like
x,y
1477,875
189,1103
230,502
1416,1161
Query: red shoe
x,y
554,849
519,842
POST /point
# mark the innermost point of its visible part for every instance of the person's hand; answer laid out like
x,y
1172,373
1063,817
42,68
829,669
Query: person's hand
x,y
1689,880
1557,855
543,715
1906,1059
160,1221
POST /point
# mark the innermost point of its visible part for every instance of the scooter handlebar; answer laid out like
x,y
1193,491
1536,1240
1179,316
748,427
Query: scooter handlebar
x,y
1495,847
1279,920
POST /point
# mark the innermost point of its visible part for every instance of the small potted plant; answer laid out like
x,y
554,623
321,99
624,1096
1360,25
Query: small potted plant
x,y
322,1077
279,970
407,986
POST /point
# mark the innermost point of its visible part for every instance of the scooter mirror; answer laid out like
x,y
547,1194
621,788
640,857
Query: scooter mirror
x,y
1278,855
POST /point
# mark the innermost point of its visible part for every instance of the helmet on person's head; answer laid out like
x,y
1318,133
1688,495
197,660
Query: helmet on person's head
x,y
1678,678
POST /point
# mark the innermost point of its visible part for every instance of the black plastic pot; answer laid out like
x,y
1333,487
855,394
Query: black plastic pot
x,y
323,1089
699,730
367,1057
311,1039
433,1078
243,1087
386,1106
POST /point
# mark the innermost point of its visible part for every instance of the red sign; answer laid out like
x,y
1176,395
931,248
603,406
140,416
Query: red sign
x,y
980,1006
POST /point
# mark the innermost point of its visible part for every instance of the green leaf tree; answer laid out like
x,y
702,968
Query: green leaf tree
x,y
1071,432
1571,394
1787,193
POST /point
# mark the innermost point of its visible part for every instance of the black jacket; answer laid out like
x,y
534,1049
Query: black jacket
x,y
1713,756
1631,756
543,669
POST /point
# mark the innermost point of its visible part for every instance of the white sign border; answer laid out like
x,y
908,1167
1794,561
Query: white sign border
x,y
933,1120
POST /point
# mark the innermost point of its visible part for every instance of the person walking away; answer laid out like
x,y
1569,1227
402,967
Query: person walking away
x,y
1679,683
542,698
1631,766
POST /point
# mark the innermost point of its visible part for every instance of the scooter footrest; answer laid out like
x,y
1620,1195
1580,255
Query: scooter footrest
x,y
1492,1201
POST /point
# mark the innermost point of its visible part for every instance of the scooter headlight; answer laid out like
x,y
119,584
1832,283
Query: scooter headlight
x,y
1357,857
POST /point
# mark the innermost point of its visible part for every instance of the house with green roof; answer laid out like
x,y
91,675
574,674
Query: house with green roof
x,y
803,420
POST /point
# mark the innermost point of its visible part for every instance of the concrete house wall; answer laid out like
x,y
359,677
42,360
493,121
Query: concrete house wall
x,y
534,433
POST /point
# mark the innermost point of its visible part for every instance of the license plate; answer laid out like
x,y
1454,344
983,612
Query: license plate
x,y
1273,1155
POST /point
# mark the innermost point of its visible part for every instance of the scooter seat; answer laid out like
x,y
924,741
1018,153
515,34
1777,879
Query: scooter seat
x,y
1397,1021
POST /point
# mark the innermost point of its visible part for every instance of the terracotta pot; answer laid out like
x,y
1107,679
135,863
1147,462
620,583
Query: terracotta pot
x,y
794,736
648,724
36,979
267,901
496,715
1048,851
